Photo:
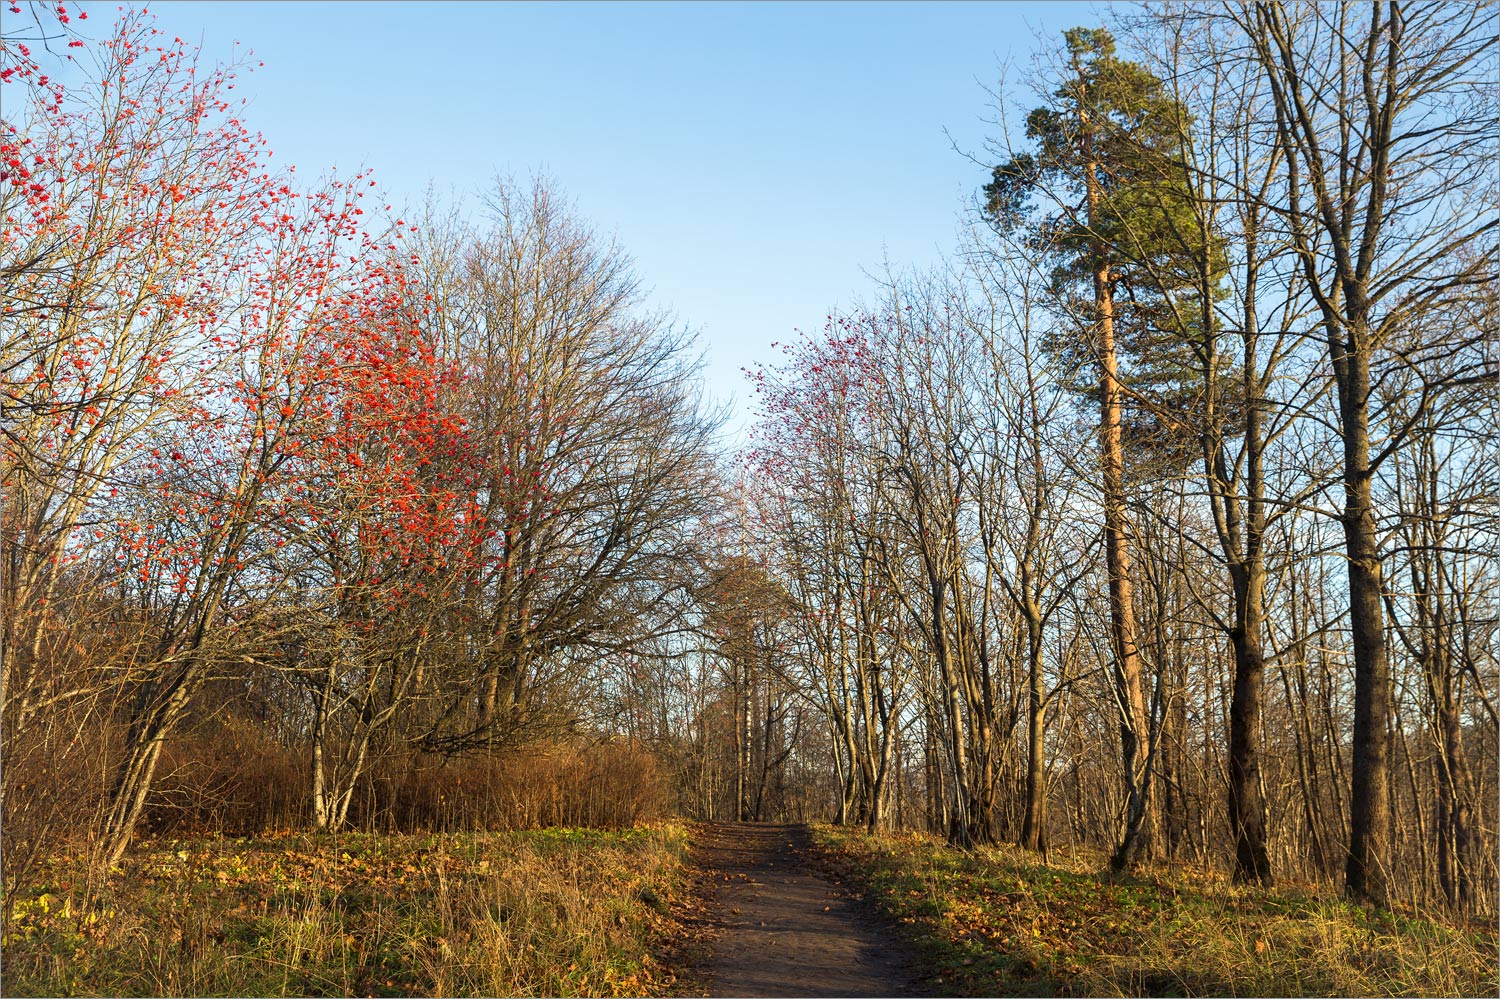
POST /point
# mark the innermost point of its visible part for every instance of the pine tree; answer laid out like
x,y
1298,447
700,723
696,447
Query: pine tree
x,y
1102,195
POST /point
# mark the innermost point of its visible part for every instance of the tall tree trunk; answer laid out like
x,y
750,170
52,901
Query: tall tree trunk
x,y
322,812
1034,825
885,714
1365,873
1247,809
741,742
1454,781
1455,818
157,715
1134,732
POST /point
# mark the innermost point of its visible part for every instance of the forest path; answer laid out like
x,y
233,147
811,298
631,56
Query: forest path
x,y
785,930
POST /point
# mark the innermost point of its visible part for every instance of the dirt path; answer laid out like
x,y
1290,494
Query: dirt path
x,y
783,930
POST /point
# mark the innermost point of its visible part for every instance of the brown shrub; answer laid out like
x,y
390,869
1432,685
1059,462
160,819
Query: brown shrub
x,y
607,785
231,778
52,785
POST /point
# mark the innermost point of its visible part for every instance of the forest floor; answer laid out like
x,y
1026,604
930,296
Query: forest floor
x,y
781,928
683,909
549,912
998,921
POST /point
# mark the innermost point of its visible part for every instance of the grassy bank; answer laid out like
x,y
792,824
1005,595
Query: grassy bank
x,y
551,912
997,922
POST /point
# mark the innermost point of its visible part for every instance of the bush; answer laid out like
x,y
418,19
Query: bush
x,y
231,778
608,785
53,785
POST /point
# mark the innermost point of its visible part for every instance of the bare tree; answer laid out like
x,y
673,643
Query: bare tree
x,y
587,460
1385,116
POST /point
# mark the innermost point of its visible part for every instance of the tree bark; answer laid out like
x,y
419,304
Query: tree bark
x,y
1034,824
1134,733
1365,873
1247,810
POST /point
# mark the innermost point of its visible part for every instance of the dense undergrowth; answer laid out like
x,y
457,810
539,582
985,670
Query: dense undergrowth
x,y
995,921
559,911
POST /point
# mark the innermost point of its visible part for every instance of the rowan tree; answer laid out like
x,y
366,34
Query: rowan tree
x,y
820,510
125,206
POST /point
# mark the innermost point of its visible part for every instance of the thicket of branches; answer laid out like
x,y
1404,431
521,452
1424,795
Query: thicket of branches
x,y
1159,522
1162,521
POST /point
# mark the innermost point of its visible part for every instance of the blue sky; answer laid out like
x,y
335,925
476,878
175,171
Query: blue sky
x,y
755,159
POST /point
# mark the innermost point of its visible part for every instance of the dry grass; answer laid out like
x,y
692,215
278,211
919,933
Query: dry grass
x,y
997,922
552,912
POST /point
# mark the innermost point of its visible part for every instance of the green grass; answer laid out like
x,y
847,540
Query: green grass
x,y
551,912
996,921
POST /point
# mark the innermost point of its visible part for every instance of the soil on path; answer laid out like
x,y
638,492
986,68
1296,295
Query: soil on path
x,y
783,929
